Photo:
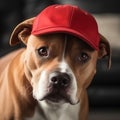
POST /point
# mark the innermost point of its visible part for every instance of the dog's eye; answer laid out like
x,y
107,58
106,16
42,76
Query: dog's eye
x,y
43,51
83,57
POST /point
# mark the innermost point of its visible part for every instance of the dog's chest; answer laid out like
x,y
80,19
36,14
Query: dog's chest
x,y
66,112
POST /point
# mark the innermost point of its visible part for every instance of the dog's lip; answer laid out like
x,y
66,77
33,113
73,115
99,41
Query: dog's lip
x,y
57,97
53,97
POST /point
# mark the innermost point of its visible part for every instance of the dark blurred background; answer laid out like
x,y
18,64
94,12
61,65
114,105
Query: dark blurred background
x,y
104,92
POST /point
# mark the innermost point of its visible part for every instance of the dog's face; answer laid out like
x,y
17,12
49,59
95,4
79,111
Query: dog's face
x,y
59,66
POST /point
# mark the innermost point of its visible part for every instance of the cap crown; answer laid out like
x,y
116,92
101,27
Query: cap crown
x,y
67,19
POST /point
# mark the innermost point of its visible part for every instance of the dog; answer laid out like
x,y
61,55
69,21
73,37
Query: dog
x,y
48,78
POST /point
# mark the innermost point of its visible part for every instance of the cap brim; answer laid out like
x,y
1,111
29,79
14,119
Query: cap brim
x,y
66,30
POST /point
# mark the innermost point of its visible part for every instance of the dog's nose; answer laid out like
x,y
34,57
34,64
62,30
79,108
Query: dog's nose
x,y
61,80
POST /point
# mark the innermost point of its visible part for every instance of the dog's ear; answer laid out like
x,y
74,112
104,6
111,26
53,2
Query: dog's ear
x,y
21,32
105,50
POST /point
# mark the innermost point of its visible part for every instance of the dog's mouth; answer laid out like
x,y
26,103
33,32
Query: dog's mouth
x,y
57,96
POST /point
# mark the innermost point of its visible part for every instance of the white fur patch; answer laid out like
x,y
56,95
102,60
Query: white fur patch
x,y
40,89
56,112
73,88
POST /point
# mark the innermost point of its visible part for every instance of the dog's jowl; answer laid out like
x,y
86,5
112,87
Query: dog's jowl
x,y
48,79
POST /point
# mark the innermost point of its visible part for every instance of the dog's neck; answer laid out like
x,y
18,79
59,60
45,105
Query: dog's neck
x,y
56,111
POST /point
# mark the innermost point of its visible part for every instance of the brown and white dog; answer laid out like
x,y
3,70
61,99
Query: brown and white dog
x,y
48,79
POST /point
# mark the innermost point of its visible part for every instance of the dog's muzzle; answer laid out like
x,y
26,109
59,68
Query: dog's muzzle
x,y
59,84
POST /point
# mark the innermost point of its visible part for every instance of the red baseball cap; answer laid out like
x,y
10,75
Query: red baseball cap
x,y
67,19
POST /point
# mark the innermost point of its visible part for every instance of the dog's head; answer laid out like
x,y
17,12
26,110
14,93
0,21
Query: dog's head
x,y
59,66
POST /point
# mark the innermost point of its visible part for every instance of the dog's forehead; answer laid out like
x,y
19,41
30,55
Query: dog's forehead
x,y
62,40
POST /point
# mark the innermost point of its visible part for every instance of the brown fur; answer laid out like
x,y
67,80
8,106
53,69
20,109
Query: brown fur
x,y
18,68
